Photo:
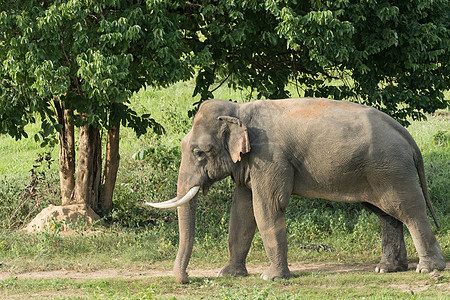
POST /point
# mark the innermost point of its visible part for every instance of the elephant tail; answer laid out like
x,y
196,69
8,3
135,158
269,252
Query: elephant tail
x,y
418,160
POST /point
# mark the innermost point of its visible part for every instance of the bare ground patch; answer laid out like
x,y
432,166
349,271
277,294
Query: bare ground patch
x,y
206,287
296,269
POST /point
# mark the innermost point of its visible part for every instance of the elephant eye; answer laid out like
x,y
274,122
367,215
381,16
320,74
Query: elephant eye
x,y
199,154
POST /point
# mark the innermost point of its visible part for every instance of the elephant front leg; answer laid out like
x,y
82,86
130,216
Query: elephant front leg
x,y
241,232
271,223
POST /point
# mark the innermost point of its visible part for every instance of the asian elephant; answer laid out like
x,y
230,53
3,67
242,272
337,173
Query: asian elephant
x,y
315,148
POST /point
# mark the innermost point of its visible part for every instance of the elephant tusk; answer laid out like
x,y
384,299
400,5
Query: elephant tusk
x,y
175,202
162,203
165,202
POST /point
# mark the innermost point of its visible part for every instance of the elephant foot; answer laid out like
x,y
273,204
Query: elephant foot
x,y
233,270
429,265
390,267
274,273
181,276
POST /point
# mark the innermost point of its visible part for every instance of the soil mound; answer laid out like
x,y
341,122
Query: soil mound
x,y
65,216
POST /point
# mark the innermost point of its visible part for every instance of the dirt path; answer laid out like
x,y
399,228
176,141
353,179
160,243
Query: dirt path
x,y
144,273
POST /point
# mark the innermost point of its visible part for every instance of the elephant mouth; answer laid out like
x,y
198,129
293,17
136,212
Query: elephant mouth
x,y
205,189
175,202
207,183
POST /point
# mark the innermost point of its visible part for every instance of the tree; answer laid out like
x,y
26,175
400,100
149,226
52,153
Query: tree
x,y
394,56
74,64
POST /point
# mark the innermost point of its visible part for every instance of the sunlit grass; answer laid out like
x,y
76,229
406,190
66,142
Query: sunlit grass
x,y
308,285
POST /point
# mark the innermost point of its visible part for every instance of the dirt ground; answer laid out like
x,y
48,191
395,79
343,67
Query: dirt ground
x,y
149,272
297,268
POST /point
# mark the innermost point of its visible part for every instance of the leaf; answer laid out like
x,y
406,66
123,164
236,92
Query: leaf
x,y
140,155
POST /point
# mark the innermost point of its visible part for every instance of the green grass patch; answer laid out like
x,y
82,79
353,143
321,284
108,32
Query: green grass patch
x,y
308,285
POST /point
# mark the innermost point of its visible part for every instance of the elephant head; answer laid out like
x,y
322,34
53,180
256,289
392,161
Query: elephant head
x,y
210,151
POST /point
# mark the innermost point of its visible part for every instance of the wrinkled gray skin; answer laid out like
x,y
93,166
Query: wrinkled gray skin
x,y
314,148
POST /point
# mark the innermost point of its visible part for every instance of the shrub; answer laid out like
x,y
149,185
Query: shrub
x,y
150,176
21,200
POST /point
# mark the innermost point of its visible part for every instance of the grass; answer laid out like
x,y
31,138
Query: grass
x,y
17,157
138,237
308,285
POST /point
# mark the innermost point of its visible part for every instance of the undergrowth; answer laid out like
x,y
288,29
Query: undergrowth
x,y
136,234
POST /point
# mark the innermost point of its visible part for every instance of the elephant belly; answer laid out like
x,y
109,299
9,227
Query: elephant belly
x,y
342,187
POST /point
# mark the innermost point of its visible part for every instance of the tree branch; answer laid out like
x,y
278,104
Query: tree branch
x,y
221,83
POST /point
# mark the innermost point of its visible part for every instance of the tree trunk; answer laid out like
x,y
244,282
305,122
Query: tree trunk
x,y
89,167
98,172
66,153
112,158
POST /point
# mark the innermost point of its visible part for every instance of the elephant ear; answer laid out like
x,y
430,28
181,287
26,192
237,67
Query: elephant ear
x,y
235,137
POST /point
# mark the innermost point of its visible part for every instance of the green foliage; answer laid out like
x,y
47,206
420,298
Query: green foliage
x,y
432,139
90,54
21,201
10,192
310,221
49,238
94,54
146,179
442,137
394,57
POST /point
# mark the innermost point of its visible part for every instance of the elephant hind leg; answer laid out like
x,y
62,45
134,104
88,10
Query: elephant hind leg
x,y
393,248
430,252
407,205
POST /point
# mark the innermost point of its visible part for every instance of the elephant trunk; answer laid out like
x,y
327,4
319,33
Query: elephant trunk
x,y
186,225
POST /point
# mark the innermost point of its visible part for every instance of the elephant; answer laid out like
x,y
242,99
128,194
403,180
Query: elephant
x,y
311,147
